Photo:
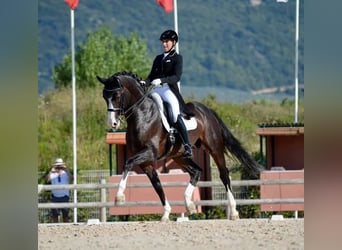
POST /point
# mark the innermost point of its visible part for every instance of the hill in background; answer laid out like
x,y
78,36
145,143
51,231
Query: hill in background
x,y
226,44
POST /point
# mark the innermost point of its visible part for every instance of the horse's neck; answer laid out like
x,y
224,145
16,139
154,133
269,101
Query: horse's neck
x,y
135,92
143,116
138,103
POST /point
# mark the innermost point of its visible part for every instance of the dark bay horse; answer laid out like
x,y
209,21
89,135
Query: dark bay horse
x,y
148,140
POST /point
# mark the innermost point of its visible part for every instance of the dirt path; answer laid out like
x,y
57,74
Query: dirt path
x,y
204,234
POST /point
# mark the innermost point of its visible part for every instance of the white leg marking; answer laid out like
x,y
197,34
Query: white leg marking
x,y
190,206
122,186
233,213
120,197
167,211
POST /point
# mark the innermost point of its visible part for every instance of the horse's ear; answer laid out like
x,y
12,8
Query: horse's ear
x,y
101,79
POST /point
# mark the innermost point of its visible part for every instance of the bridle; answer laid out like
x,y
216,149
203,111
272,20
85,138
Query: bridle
x,y
122,112
108,93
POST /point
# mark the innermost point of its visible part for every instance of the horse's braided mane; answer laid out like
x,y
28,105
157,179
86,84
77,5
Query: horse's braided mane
x,y
127,73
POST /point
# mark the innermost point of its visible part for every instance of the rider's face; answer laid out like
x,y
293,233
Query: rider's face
x,y
167,44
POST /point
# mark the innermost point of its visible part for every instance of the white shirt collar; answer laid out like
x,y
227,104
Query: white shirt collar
x,y
166,54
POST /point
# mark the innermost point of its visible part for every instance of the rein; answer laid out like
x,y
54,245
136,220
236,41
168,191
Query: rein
x,y
130,110
111,92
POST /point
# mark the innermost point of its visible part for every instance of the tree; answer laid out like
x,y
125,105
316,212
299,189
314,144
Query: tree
x,y
103,54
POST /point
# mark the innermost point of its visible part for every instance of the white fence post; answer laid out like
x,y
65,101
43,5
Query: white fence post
x,y
103,199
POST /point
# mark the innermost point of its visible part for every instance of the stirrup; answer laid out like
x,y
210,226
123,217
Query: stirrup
x,y
172,135
187,150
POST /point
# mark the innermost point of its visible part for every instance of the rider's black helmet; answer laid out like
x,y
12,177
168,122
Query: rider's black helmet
x,y
169,35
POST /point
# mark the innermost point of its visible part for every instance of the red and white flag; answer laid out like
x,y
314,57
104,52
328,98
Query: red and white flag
x,y
72,3
166,4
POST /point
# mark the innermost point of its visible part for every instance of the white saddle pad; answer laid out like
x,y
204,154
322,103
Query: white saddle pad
x,y
189,124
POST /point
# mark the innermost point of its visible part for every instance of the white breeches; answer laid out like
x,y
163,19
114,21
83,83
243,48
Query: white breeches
x,y
168,96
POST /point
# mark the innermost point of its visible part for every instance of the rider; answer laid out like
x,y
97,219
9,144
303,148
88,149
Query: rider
x,y
165,74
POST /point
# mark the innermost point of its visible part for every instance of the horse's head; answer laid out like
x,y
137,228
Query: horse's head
x,y
112,93
121,92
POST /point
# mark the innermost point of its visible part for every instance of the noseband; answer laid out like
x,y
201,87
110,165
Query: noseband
x,y
108,93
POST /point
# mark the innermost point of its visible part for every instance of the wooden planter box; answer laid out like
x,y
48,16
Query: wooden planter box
x,y
284,146
116,138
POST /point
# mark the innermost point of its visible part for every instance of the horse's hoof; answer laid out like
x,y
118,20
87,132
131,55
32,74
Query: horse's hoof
x,y
234,217
165,219
119,200
191,208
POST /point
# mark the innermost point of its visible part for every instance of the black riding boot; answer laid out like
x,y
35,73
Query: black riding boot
x,y
184,134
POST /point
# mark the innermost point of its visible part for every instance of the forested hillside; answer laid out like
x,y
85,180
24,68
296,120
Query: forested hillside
x,y
244,45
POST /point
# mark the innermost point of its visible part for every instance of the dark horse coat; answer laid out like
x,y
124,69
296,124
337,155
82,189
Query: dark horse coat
x,y
147,140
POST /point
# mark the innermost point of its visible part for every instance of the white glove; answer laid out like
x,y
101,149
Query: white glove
x,y
156,82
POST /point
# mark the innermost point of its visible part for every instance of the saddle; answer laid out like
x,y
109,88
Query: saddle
x,y
190,122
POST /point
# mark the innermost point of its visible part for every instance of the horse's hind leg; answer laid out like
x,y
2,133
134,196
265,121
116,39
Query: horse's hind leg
x,y
153,176
195,173
233,214
120,196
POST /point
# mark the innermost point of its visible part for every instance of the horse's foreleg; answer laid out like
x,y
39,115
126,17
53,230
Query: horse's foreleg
x,y
153,176
130,163
167,211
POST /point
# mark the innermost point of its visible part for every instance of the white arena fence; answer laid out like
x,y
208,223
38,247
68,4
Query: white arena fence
x,y
97,203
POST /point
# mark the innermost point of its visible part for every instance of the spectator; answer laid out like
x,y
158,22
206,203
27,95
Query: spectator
x,y
59,175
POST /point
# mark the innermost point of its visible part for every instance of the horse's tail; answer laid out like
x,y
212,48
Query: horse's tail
x,y
235,148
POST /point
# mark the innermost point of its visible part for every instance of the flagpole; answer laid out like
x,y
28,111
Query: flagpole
x,y
296,62
73,110
296,57
175,11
